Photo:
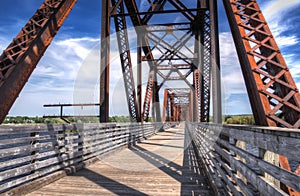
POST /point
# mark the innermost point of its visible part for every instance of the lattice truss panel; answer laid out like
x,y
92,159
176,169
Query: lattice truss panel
x,y
167,46
177,104
277,90
122,36
20,58
205,70
148,97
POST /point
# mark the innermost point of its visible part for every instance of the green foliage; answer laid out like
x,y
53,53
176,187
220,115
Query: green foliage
x,y
119,119
41,120
31,120
239,119
228,119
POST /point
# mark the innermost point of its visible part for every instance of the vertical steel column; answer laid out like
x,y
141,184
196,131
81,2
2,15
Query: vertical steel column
x,y
139,75
148,97
197,93
166,97
172,107
215,55
204,64
155,99
105,61
192,107
198,29
126,63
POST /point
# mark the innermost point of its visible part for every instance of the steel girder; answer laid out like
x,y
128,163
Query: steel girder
x,y
197,96
148,97
21,57
138,22
202,76
273,94
151,42
166,107
124,50
177,104
105,61
272,91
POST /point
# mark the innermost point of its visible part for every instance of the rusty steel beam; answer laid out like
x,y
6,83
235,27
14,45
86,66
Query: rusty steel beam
x,y
138,23
126,64
23,54
105,62
139,77
272,91
148,97
215,63
165,106
176,102
203,62
197,96
206,68
184,12
155,6
273,94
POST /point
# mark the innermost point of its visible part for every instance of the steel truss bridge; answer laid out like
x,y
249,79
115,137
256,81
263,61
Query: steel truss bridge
x,y
173,52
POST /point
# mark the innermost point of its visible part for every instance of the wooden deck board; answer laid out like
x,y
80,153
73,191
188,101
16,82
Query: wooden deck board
x,y
162,165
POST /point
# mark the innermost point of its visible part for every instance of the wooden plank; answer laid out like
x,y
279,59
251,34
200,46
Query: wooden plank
x,y
173,178
284,176
63,140
277,143
215,180
207,137
30,158
250,175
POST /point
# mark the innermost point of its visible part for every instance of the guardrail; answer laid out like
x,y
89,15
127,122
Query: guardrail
x,y
241,169
49,152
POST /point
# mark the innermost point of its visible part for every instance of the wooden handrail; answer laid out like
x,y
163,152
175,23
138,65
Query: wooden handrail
x,y
30,152
242,169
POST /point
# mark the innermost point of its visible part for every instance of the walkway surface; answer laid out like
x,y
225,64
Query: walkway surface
x,y
164,164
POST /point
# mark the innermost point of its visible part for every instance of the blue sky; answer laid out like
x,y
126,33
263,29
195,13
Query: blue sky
x,y
73,53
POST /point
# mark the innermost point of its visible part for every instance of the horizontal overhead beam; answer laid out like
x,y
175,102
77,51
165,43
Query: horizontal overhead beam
x,y
158,12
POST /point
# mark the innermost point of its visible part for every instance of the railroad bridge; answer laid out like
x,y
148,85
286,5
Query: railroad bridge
x,y
171,148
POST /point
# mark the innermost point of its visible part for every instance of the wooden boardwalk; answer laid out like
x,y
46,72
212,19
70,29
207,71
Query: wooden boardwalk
x,y
165,164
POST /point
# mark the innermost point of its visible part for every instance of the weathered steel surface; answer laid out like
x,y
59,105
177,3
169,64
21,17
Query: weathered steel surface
x,y
105,61
272,91
21,57
177,104
161,44
126,62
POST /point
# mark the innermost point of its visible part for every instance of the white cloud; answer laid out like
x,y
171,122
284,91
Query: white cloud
x,y
69,60
233,85
275,8
78,46
53,79
275,13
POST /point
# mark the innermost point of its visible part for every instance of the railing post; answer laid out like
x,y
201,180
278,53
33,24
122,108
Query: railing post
x,y
34,152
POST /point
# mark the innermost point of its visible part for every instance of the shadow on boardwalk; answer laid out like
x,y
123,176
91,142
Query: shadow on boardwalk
x,y
190,174
162,165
